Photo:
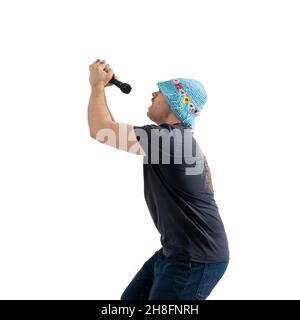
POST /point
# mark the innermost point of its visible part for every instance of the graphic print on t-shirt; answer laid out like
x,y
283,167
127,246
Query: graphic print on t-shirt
x,y
208,175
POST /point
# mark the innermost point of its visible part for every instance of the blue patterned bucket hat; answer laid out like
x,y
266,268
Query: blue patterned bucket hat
x,y
186,98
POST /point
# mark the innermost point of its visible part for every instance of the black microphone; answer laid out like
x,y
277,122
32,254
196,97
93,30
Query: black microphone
x,y
124,87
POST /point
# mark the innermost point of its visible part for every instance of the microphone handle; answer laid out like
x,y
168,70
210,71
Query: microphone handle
x,y
124,87
116,82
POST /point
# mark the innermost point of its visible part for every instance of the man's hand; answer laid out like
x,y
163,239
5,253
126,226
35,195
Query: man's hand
x,y
113,76
100,74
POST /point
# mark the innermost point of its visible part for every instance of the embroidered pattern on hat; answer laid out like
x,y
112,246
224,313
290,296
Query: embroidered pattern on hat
x,y
186,99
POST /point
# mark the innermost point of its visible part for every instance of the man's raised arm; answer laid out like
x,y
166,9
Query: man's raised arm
x,y
100,120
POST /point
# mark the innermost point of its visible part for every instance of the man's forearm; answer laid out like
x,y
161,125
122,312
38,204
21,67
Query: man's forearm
x,y
108,109
98,112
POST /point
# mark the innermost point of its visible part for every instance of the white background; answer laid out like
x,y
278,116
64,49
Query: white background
x,y
73,220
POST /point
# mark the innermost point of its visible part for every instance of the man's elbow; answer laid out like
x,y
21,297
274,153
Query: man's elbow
x,y
92,134
106,126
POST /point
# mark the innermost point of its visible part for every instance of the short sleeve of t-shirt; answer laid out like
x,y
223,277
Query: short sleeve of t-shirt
x,y
143,135
148,138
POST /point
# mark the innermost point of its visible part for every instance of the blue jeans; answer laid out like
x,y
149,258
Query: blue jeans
x,y
162,278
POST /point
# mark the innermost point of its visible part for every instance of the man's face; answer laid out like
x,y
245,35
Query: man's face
x,y
159,110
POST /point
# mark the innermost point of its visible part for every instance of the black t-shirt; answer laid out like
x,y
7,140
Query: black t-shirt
x,y
179,194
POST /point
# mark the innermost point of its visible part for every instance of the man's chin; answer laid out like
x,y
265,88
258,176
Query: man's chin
x,y
149,115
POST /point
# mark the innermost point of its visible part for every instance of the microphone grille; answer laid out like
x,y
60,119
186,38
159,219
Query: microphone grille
x,y
125,88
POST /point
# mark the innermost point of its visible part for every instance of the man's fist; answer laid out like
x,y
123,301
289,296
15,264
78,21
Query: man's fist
x,y
100,74
113,76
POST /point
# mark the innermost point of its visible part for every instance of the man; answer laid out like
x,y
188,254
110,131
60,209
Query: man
x,y
177,186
